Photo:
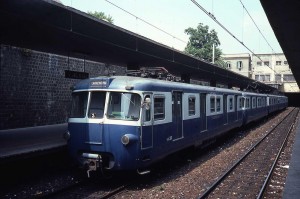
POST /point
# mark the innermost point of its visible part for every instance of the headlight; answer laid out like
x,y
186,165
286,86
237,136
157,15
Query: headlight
x,y
125,139
128,138
67,135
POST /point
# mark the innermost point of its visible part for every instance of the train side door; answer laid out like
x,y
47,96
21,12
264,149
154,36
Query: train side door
x,y
177,114
147,124
203,112
225,109
236,107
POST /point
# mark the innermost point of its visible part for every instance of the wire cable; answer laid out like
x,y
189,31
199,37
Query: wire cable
x,y
146,22
276,73
222,26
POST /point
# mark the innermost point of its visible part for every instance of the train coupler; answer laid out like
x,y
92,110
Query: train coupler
x,y
91,162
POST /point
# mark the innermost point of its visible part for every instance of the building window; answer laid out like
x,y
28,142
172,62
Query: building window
x,y
263,78
239,65
278,63
285,63
259,63
266,63
289,78
278,78
228,64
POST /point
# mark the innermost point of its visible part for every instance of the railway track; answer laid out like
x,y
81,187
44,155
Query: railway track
x,y
90,188
250,175
86,190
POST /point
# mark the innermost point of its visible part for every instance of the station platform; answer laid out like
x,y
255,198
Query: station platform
x,y
292,185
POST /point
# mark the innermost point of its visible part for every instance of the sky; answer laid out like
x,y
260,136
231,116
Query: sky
x,y
174,16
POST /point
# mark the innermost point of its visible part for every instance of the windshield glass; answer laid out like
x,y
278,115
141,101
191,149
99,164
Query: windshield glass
x,y
97,102
79,104
124,106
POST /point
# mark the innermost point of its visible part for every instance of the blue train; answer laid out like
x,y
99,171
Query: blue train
x,y
128,123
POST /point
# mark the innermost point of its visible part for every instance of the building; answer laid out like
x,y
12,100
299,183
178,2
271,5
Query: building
x,y
239,63
274,70
271,69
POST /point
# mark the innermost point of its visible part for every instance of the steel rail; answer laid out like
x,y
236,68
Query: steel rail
x,y
260,195
219,180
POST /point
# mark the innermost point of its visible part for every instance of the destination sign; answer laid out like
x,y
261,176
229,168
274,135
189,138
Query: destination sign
x,y
99,83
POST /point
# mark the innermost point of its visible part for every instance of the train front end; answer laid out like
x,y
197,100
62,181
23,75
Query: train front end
x,y
104,126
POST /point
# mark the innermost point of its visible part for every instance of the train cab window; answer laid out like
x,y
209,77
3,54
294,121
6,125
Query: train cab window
x,y
147,113
192,106
79,104
124,106
159,108
253,102
96,107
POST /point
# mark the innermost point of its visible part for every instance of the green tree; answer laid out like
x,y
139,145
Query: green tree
x,y
102,16
201,43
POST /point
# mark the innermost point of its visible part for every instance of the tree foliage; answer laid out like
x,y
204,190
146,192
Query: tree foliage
x,y
201,43
102,16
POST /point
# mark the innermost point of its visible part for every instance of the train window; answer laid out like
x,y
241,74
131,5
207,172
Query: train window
x,y
218,104
79,104
253,102
241,102
147,116
159,108
258,102
124,106
247,104
212,104
192,107
96,108
230,103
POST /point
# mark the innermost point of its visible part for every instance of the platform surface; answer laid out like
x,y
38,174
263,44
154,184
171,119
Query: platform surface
x,y
292,185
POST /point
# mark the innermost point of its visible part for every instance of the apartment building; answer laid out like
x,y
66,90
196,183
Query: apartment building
x,y
271,69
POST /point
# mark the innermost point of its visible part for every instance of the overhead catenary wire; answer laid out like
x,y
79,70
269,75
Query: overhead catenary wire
x,y
257,27
244,7
222,26
138,18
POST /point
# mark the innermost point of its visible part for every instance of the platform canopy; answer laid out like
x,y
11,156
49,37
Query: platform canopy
x,y
284,17
48,26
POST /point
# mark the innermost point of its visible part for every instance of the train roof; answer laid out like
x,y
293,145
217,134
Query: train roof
x,y
140,84
131,83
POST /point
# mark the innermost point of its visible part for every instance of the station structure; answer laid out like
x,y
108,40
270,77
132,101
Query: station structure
x,y
45,26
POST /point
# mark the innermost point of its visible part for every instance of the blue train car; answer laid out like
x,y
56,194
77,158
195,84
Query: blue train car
x,y
255,106
128,123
